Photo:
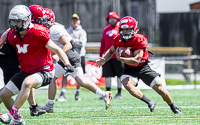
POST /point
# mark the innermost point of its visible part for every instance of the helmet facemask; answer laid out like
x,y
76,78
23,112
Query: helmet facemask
x,y
47,22
127,35
39,20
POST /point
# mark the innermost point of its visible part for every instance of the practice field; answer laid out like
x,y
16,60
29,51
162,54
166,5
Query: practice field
x,y
129,110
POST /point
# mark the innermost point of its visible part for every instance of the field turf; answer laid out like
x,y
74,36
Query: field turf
x,y
126,111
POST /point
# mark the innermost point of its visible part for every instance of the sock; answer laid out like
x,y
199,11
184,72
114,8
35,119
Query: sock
x,y
145,99
99,92
119,90
63,90
78,90
15,112
107,88
172,106
50,101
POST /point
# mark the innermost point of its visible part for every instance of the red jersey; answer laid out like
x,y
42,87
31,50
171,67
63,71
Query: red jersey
x,y
32,54
109,34
139,41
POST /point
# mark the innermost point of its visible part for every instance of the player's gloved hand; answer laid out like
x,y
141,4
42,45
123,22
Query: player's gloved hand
x,y
69,68
78,45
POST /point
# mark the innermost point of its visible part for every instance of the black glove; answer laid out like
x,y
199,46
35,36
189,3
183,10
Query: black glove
x,y
69,68
76,44
73,44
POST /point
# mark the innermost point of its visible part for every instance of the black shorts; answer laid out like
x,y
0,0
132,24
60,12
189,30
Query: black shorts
x,y
83,63
144,72
18,78
10,66
113,67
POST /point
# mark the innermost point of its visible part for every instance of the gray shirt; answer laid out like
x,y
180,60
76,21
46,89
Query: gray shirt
x,y
79,36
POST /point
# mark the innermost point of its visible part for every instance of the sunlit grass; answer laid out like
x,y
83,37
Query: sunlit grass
x,y
129,110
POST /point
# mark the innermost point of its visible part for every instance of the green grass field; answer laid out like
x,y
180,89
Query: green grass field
x,y
129,110
180,82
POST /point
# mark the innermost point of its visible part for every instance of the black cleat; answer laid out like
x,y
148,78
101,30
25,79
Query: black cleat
x,y
152,105
176,110
77,96
118,96
36,111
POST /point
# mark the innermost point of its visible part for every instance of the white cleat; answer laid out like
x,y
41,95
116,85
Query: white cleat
x,y
18,122
61,98
107,99
6,118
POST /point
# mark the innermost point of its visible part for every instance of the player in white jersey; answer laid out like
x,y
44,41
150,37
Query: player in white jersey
x,y
79,36
60,36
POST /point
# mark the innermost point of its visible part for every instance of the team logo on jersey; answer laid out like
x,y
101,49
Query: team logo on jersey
x,y
22,49
110,33
15,36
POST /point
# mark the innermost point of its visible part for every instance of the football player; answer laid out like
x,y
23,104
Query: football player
x,y
137,67
34,49
61,37
9,62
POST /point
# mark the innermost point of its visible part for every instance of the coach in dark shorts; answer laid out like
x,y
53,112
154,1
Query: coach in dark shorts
x,y
113,67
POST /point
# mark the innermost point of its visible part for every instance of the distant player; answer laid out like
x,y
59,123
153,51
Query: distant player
x,y
137,67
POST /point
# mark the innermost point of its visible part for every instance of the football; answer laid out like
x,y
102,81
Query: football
x,y
125,52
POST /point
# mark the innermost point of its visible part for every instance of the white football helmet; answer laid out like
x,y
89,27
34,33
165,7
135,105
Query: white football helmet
x,y
19,12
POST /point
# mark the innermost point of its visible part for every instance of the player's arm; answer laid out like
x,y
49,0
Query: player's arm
x,y
66,46
135,60
66,43
106,57
109,53
4,38
57,50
